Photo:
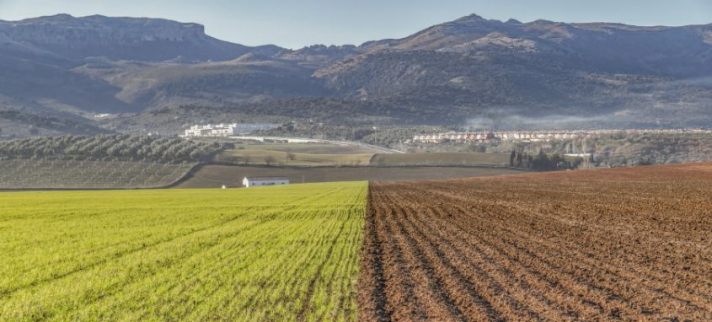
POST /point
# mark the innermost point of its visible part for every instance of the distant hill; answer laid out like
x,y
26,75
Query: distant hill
x,y
470,70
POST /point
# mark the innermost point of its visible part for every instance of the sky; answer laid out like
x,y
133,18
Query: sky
x,y
298,23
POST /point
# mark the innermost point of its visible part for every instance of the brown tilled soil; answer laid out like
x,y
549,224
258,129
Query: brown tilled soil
x,y
625,244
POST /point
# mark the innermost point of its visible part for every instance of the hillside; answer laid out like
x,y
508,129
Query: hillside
x,y
99,162
470,70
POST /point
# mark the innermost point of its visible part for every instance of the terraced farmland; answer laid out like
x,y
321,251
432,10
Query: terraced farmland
x,y
275,254
626,244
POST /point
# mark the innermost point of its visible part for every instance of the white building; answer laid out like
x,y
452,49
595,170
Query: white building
x,y
264,181
226,129
209,130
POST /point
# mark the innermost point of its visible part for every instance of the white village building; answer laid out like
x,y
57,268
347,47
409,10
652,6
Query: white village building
x,y
212,130
264,181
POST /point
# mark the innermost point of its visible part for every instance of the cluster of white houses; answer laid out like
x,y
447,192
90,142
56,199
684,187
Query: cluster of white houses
x,y
503,136
452,136
534,135
223,130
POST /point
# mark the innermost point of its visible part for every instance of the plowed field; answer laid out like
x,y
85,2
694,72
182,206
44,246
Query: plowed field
x,y
623,244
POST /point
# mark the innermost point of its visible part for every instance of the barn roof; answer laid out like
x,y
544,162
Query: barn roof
x,y
266,178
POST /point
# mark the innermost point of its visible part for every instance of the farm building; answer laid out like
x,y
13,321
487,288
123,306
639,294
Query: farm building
x,y
264,181
223,130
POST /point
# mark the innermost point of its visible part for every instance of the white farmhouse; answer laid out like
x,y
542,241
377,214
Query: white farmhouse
x,y
224,130
264,181
211,130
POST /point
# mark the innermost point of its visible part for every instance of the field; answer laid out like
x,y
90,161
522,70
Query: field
x,y
624,244
303,155
327,155
58,174
441,159
263,254
311,148
213,176
629,244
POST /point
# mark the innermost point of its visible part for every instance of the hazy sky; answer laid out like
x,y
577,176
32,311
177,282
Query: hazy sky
x,y
296,23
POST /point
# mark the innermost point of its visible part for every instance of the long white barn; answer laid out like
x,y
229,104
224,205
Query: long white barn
x,y
264,181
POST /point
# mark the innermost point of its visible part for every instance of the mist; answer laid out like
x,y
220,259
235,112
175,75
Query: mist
x,y
551,122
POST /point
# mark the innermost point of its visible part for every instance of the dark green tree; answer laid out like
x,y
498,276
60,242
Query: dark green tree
x,y
512,157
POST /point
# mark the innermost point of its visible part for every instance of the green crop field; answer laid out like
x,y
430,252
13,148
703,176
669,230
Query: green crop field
x,y
261,254
266,156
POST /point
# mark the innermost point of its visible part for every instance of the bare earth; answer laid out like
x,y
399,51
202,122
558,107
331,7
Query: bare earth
x,y
629,244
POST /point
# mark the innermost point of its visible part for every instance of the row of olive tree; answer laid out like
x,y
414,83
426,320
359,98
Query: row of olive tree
x,y
101,147
541,161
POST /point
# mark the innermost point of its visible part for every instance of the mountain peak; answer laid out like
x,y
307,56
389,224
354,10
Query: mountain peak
x,y
472,19
58,18
61,16
544,22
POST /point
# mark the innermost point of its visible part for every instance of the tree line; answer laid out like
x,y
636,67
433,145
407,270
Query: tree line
x,y
541,161
110,147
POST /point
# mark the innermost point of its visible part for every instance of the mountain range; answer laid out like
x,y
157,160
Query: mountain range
x,y
144,72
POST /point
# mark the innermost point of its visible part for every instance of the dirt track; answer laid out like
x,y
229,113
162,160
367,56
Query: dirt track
x,y
624,244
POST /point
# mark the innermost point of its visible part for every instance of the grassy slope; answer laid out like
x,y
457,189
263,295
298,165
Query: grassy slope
x,y
257,157
213,176
278,253
312,148
331,155
304,155
441,159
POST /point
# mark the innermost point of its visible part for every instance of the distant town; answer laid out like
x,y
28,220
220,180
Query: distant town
x,y
535,136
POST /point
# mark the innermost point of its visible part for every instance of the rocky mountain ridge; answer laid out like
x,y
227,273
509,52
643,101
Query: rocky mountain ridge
x,y
462,71
140,39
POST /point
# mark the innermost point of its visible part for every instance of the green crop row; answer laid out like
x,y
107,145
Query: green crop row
x,y
280,253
